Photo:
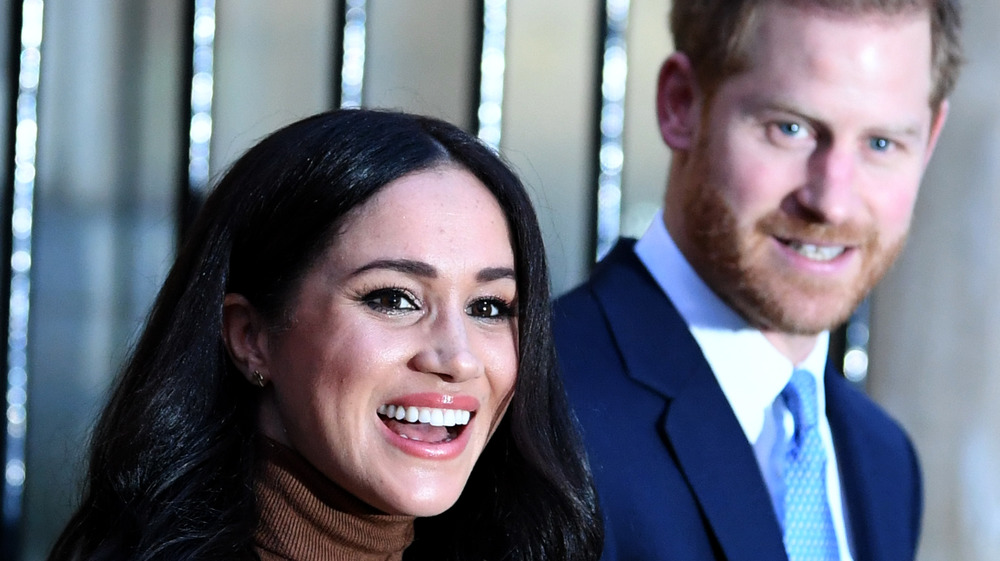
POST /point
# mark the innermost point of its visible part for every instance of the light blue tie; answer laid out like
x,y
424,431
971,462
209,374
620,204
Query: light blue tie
x,y
809,534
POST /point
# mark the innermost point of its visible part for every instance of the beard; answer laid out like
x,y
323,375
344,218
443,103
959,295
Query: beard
x,y
739,262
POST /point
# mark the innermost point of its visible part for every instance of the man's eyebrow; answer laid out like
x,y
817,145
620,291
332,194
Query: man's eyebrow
x,y
914,131
908,129
766,104
407,266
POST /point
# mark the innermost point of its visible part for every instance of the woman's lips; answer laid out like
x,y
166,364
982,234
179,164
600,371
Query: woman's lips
x,y
420,426
435,416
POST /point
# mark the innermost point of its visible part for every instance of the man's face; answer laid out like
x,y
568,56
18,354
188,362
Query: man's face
x,y
800,180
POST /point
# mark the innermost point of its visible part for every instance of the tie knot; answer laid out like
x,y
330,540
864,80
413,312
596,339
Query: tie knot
x,y
800,397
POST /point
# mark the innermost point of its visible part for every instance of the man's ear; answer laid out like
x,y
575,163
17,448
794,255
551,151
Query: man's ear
x,y
678,102
245,335
940,117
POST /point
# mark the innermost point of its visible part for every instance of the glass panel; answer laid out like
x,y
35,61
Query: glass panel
x,y
422,68
549,124
103,230
646,157
272,67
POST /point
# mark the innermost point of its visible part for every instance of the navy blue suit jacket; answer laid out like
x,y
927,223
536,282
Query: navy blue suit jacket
x,y
676,476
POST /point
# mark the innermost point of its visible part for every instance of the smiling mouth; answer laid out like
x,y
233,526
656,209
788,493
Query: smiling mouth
x,y
814,252
425,424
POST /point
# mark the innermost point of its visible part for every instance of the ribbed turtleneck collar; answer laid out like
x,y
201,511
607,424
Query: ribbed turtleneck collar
x,y
304,516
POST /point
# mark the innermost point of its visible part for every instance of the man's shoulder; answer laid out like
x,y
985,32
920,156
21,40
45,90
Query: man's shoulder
x,y
616,286
619,332
614,271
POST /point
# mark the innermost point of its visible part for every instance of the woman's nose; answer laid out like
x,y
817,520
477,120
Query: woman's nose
x,y
447,350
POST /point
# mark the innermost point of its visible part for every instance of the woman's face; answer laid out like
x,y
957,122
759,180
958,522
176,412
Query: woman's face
x,y
401,354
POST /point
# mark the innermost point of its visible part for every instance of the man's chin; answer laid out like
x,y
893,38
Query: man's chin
x,y
799,314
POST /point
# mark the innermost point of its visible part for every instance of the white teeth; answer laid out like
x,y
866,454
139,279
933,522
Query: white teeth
x,y
437,418
817,252
428,415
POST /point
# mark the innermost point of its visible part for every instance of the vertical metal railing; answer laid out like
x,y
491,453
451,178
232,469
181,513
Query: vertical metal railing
x,y
197,111
20,190
610,153
492,62
352,52
855,337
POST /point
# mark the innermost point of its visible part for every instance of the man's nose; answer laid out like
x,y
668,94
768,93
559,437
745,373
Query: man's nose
x,y
831,194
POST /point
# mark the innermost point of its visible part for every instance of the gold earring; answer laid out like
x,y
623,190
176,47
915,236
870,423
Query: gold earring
x,y
258,378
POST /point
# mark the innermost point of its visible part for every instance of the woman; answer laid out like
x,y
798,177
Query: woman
x,y
352,352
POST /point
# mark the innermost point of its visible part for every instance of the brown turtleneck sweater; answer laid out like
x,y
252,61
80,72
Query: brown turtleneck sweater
x,y
306,517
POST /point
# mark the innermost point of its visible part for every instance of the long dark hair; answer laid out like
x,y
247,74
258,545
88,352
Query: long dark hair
x,y
173,455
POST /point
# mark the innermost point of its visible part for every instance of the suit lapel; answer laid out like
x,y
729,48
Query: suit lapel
x,y
846,441
872,488
720,466
698,427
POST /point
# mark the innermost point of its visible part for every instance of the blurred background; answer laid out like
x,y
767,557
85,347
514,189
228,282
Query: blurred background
x,y
119,113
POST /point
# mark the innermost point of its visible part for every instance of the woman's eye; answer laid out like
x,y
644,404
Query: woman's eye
x,y
489,308
390,300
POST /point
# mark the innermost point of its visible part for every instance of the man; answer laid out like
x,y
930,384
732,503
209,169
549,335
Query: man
x,y
800,131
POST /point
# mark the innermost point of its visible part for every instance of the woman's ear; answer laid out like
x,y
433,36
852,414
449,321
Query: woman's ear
x,y
678,102
245,335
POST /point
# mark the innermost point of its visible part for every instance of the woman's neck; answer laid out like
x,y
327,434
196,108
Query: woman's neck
x,y
305,516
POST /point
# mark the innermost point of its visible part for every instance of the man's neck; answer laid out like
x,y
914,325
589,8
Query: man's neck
x,y
794,347
695,300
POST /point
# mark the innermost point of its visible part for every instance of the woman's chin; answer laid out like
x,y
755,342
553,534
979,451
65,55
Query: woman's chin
x,y
429,495
421,507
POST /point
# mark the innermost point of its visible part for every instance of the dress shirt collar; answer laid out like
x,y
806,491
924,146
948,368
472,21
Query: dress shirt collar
x,y
749,369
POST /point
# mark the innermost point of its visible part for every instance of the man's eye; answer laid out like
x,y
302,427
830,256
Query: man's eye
x,y
880,144
790,129
789,134
390,300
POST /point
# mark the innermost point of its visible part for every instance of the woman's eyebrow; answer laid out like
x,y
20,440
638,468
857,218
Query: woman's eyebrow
x,y
495,273
408,266
421,269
